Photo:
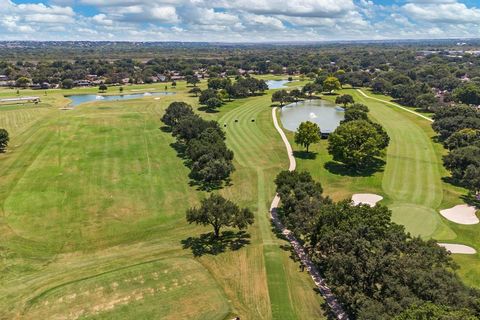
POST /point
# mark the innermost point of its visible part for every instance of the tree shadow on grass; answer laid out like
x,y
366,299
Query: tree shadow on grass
x,y
166,129
471,200
305,155
180,148
208,244
205,109
341,169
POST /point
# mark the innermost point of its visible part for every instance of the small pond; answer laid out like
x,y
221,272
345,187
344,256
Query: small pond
x,y
276,84
83,98
324,113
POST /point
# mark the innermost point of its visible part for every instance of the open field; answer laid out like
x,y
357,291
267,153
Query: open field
x,y
411,181
92,225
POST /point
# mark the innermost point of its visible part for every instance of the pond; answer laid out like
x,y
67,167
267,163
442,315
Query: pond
x,y
277,84
83,98
324,113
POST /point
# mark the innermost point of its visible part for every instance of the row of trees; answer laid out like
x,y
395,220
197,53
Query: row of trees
x,y
375,269
202,143
223,89
459,129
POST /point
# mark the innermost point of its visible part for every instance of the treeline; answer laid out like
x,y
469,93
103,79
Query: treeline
x,y
373,266
202,143
224,89
458,128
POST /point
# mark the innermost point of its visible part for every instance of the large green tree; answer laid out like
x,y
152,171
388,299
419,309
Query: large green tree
x,y
175,111
344,99
307,134
281,96
219,213
331,83
356,143
4,139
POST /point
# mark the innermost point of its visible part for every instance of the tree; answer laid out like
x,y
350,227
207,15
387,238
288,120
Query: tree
x,y
310,88
471,178
211,170
23,82
352,114
102,87
213,104
67,84
223,94
464,164
331,83
191,127
448,120
307,134
192,80
120,89
175,112
295,94
196,91
344,99
280,96
468,94
430,311
462,138
426,101
207,95
4,139
219,213
355,143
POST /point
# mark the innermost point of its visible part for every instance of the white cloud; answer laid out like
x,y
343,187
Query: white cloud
x,y
238,20
443,11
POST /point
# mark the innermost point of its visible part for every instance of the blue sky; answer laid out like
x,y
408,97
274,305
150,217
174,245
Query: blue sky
x,y
238,20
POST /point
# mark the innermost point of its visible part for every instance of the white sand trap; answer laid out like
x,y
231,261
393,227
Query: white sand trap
x,y
366,198
462,214
157,98
458,248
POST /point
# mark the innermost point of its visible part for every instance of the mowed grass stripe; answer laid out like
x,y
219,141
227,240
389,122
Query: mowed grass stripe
x,y
247,140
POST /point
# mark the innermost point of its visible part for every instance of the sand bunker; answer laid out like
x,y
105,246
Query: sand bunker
x,y
462,214
366,198
458,248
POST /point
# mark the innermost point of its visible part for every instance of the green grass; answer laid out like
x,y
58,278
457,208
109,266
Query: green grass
x,y
96,194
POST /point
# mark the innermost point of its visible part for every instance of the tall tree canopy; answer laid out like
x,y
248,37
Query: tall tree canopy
x,y
219,213
175,111
307,134
356,143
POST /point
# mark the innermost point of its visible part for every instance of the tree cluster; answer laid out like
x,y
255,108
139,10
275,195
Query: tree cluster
x,y
374,268
203,142
459,129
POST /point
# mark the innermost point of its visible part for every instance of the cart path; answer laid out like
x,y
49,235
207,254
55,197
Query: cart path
x,y
335,306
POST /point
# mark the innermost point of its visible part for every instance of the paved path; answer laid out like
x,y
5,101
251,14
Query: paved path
x,y
395,105
332,302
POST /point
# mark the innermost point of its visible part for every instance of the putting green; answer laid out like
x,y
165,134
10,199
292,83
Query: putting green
x,y
419,220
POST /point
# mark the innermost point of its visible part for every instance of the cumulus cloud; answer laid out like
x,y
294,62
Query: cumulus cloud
x,y
237,20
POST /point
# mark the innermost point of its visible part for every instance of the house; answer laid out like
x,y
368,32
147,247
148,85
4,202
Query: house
x,y
82,83
3,77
